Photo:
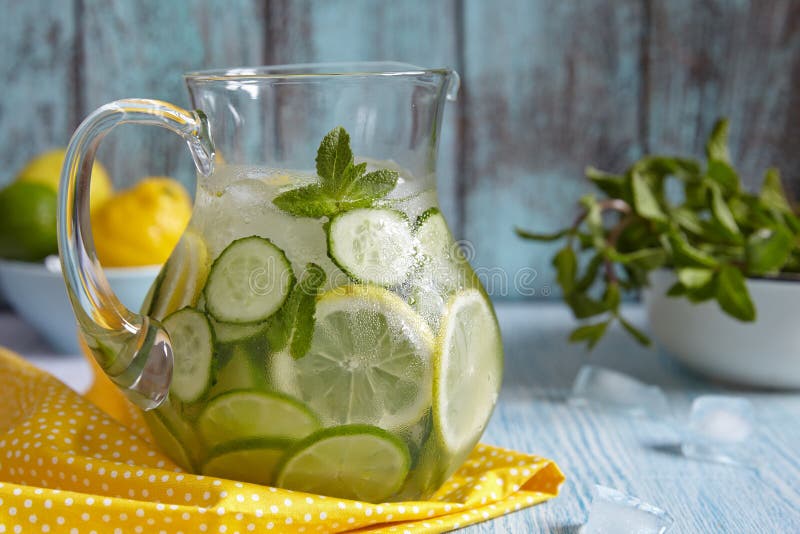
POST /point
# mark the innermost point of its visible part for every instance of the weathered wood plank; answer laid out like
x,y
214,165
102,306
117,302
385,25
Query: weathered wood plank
x,y
417,31
36,66
550,87
597,446
141,49
736,59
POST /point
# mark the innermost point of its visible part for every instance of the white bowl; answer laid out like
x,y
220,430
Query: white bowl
x,y
764,353
39,296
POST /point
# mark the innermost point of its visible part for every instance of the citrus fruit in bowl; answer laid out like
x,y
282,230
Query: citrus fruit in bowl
x,y
134,232
45,169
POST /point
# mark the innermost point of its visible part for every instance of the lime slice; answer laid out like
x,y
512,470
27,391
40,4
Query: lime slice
x,y
468,371
174,436
248,461
369,361
359,462
248,414
184,276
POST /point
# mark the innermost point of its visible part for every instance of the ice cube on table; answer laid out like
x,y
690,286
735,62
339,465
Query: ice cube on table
x,y
602,386
614,511
719,427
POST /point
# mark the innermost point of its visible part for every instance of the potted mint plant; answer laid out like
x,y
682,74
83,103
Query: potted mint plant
x,y
716,264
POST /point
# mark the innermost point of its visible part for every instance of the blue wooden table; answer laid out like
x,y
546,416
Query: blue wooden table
x,y
598,446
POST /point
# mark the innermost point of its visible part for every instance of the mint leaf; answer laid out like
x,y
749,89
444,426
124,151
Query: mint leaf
x,y
342,186
637,334
717,145
644,200
590,333
566,265
613,185
305,294
371,186
732,294
308,201
768,249
723,174
541,237
722,212
694,277
334,159
772,193
293,325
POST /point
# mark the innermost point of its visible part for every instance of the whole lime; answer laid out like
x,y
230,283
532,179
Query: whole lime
x,y
27,222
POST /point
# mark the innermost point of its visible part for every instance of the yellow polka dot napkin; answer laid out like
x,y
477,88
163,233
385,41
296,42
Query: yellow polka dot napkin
x,y
66,465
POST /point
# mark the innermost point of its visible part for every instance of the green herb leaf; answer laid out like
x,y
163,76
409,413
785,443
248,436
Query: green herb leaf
x,y
590,275
342,186
644,200
308,201
676,290
613,185
694,277
717,145
732,294
293,324
686,255
590,333
768,249
541,237
688,220
703,293
566,265
637,334
305,294
334,160
772,193
722,174
722,213
583,306
646,258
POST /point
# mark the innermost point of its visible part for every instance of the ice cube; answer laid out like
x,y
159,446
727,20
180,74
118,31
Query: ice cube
x,y
614,511
719,427
598,385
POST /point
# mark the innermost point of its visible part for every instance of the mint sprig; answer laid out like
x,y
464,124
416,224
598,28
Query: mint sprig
x,y
293,325
343,184
713,234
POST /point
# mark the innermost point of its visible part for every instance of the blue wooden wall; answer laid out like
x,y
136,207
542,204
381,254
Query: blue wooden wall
x,y
549,86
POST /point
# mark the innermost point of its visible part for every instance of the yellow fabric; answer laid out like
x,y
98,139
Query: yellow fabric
x,y
68,466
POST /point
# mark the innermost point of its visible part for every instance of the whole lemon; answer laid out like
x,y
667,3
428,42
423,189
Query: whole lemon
x,y
141,225
27,222
46,169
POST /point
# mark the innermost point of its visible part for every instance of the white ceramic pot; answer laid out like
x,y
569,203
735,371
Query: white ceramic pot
x,y
764,353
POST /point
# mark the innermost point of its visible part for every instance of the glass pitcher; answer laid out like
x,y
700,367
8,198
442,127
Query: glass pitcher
x,y
316,327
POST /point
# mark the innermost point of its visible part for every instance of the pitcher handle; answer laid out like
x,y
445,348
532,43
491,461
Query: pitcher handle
x,y
133,350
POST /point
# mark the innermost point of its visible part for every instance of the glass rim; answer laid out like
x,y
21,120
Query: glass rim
x,y
298,71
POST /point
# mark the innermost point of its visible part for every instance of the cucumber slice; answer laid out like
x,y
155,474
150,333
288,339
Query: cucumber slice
x,y
358,462
438,252
243,370
372,245
183,276
192,350
252,460
370,360
248,282
468,371
246,414
234,332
